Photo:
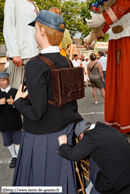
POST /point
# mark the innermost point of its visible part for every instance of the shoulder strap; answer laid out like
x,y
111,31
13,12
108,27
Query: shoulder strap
x,y
69,62
48,61
93,67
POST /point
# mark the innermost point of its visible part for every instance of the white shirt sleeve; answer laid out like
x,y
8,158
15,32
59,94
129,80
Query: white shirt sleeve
x,y
9,29
6,65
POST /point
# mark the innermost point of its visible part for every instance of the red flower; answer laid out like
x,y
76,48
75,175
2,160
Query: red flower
x,y
93,8
97,9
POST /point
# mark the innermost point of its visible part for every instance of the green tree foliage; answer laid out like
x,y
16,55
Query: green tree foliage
x,y
84,13
2,2
74,13
85,8
105,38
46,4
70,10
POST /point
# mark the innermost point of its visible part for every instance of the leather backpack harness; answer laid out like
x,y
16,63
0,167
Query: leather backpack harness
x,y
67,83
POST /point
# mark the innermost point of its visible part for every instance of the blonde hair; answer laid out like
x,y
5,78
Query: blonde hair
x,y
54,36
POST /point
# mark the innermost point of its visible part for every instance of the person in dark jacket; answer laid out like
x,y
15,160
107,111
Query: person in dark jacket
x,y
108,148
10,119
38,164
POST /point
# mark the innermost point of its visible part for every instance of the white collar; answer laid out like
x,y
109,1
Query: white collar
x,y
92,127
51,49
6,90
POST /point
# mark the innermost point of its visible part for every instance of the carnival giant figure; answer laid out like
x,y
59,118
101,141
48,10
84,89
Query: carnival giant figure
x,y
19,37
115,14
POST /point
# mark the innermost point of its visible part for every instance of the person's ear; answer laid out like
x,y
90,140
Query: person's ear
x,y
42,31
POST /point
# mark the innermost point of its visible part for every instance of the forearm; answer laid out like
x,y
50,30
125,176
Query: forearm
x,y
67,152
76,153
26,109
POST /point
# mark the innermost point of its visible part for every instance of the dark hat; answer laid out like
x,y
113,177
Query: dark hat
x,y
50,19
81,126
3,74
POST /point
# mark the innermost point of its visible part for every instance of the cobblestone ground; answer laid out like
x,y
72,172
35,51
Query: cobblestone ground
x,y
88,110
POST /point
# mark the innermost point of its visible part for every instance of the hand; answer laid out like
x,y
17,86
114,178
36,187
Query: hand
x,y
96,21
2,101
17,61
62,139
93,43
21,94
10,100
103,80
89,40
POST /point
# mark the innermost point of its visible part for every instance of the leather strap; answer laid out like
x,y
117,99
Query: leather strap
x,y
48,61
69,62
34,6
51,65
93,67
23,81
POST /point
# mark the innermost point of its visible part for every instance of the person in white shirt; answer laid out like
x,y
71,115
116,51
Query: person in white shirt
x,y
19,37
103,61
84,65
76,62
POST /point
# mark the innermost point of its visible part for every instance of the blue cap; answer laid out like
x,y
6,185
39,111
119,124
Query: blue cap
x,y
81,126
3,74
50,19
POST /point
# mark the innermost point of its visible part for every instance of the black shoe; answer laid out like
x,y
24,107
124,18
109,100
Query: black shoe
x,y
13,163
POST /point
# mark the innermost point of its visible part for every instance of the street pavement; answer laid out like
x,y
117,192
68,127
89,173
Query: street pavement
x,y
86,108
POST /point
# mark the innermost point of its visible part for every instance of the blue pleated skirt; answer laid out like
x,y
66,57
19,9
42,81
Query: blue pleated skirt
x,y
38,164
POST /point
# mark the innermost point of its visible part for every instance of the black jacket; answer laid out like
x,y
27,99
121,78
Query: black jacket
x,y
39,116
110,151
10,118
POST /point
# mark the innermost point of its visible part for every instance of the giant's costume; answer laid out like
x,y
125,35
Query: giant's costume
x,y
117,97
117,93
19,37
